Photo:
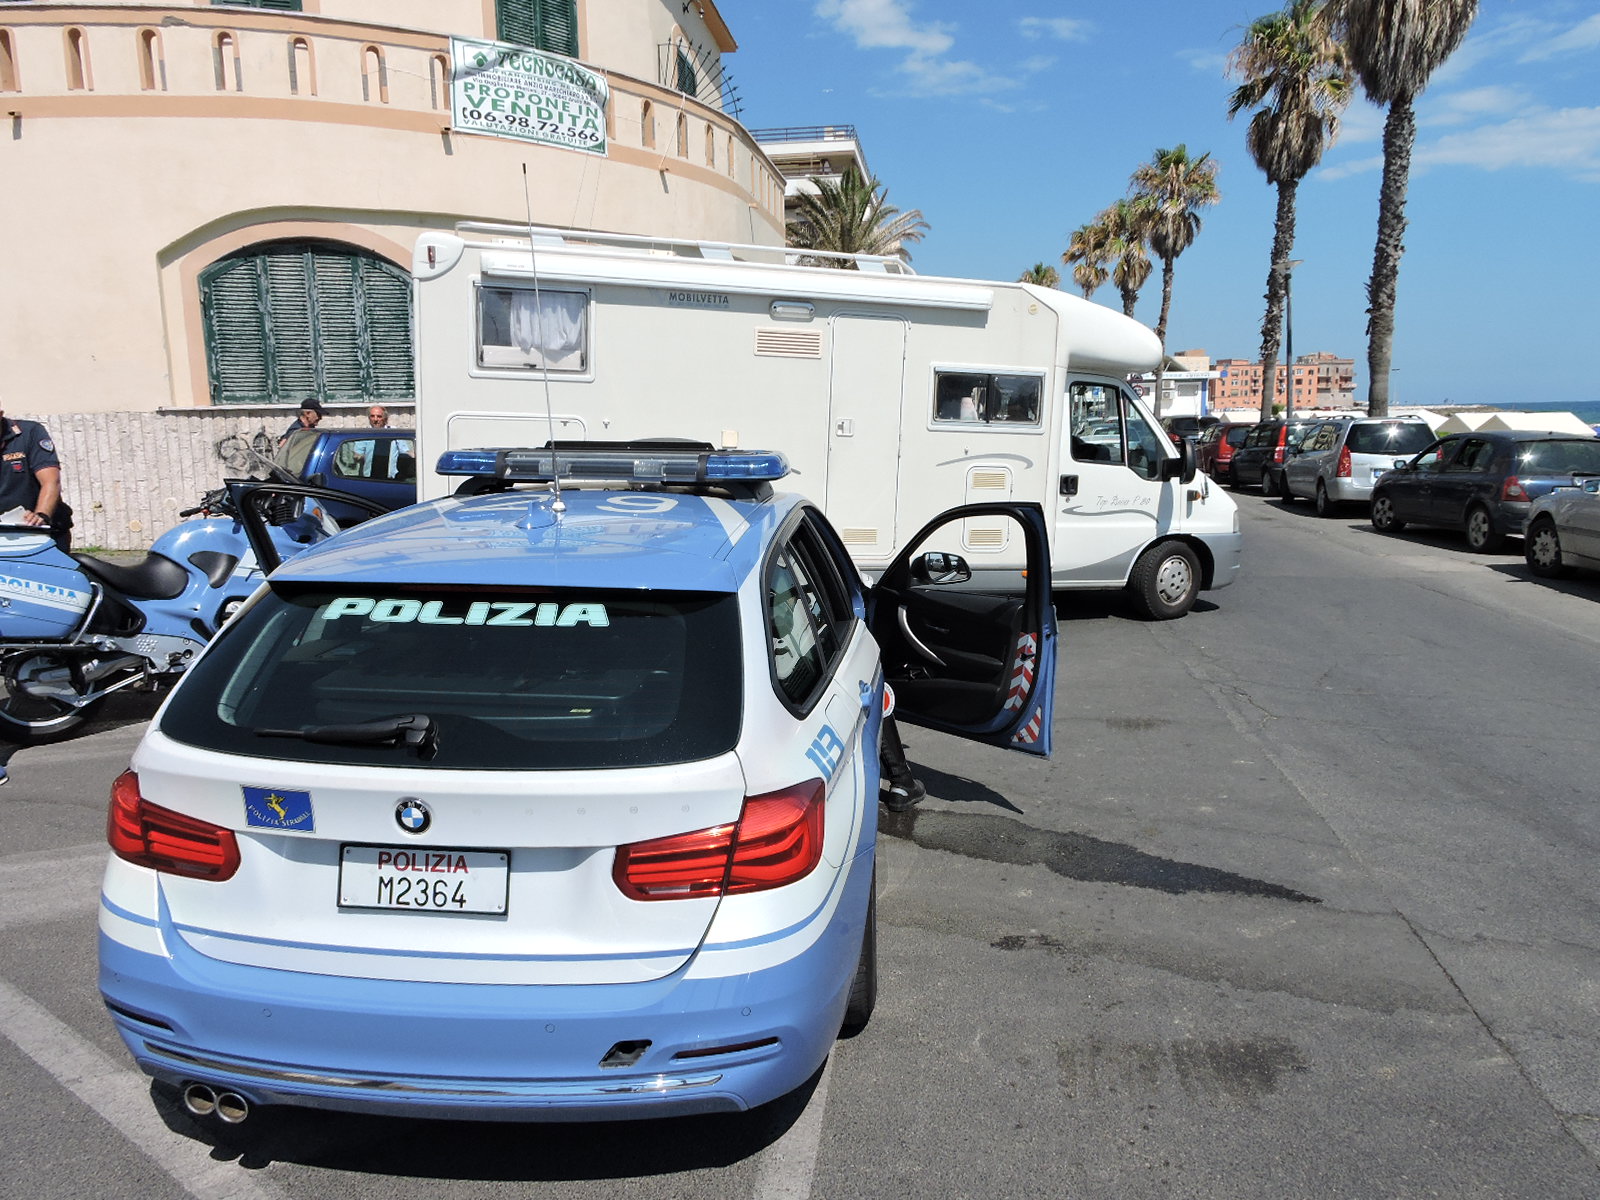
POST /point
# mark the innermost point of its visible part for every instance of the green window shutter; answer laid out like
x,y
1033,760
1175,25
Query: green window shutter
x,y
688,84
388,312
288,320
236,338
293,340
550,25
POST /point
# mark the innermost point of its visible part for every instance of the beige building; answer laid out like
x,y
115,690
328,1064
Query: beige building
x,y
220,202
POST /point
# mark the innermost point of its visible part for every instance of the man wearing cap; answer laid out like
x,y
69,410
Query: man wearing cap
x,y
30,478
310,414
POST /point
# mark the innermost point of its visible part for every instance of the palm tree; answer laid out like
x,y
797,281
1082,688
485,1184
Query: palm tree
x,y
853,216
1087,253
1300,76
1395,46
1039,273
1127,230
1170,189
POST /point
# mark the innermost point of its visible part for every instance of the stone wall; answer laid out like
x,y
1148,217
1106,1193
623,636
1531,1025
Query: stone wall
x,y
127,474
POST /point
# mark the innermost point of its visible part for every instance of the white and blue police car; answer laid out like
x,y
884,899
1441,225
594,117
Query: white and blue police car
x,y
546,802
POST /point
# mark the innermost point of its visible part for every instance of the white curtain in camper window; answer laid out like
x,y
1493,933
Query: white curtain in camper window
x,y
550,322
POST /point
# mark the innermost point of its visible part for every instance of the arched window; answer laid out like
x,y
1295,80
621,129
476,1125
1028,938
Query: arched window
x,y
302,68
78,77
647,125
438,81
291,319
8,63
225,63
711,145
683,136
729,159
374,75
152,63
543,24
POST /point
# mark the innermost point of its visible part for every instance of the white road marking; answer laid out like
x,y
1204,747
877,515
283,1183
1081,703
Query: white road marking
x,y
789,1165
121,1096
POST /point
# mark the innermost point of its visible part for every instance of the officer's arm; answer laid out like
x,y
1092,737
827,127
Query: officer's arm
x,y
49,495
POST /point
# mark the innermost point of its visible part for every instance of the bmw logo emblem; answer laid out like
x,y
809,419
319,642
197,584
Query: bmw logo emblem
x,y
412,815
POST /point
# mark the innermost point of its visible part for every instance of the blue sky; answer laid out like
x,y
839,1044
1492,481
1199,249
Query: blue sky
x,y
1009,124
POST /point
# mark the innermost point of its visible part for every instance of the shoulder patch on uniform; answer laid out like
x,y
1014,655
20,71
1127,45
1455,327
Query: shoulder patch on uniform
x,y
46,444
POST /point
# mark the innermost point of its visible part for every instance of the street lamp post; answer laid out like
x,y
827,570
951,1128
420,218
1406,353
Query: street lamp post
x,y
1288,265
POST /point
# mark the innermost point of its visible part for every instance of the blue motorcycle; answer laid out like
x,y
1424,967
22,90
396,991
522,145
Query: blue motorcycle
x,y
74,628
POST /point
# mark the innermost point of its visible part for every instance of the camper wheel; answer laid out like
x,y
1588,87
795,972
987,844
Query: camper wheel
x,y
1165,581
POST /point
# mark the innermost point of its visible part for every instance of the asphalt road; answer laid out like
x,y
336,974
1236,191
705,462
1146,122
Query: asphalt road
x,y
1304,906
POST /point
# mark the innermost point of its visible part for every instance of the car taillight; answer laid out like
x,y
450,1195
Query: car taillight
x,y
1343,469
1512,489
156,837
777,840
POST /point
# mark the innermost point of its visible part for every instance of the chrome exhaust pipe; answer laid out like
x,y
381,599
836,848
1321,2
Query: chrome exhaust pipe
x,y
200,1100
232,1108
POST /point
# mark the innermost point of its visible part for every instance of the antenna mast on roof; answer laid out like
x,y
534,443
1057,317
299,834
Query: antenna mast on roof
x,y
560,505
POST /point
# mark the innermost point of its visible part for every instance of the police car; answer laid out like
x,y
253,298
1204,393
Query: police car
x,y
550,801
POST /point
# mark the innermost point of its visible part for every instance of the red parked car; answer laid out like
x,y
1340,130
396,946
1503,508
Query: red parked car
x,y
1215,447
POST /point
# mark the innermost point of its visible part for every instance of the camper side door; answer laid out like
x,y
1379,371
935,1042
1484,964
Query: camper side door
x,y
1111,500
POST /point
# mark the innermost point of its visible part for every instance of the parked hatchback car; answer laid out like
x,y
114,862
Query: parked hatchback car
x,y
1481,483
1215,446
1338,461
1179,428
1563,531
543,805
1263,452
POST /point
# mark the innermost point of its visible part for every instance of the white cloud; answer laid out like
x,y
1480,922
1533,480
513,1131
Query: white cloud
x,y
925,70
1459,108
1565,140
1064,29
1583,36
886,25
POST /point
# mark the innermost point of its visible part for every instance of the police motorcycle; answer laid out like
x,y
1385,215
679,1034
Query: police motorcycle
x,y
75,628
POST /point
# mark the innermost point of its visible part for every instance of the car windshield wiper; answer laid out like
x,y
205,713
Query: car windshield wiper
x,y
407,729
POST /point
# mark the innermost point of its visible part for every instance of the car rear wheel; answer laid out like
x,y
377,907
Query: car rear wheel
x,y
864,987
1482,536
1383,518
1325,506
1542,549
1165,581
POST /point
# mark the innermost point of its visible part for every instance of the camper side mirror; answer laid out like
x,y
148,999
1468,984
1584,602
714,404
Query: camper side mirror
x,y
1184,466
937,567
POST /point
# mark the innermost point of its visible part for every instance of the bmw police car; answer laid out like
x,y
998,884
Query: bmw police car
x,y
546,802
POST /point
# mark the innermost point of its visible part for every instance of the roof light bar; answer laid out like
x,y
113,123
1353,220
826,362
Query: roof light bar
x,y
658,463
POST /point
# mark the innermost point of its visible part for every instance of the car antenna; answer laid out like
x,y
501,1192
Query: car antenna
x,y
560,505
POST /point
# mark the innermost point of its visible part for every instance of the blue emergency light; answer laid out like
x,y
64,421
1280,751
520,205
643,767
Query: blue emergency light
x,y
682,463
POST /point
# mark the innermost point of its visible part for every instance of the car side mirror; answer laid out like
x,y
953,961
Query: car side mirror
x,y
320,479
1184,466
937,567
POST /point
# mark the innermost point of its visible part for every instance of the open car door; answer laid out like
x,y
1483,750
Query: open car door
x,y
979,664
282,519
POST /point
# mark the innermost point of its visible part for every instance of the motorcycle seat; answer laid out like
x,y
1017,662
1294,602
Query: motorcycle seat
x,y
157,577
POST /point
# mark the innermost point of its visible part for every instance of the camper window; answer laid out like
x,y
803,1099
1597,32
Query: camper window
x,y
971,398
527,330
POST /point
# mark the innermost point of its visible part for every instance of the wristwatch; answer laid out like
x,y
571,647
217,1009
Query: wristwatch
x,y
43,516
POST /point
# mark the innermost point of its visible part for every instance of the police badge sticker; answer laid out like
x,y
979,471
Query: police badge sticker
x,y
278,808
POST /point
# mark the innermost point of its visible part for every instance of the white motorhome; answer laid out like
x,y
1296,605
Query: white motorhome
x,y
894,395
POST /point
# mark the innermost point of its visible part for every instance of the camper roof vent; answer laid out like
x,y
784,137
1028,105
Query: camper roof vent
x,y
789,343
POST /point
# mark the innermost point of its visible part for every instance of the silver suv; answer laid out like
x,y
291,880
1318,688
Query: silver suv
x,y
1339,460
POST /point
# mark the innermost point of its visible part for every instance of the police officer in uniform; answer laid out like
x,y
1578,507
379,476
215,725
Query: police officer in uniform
x,y
30,478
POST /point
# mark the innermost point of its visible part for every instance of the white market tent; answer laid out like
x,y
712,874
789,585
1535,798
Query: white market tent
x,y
1542,422
1465,422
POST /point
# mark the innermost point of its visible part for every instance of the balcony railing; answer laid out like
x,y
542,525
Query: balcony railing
x,y
697,75
807,133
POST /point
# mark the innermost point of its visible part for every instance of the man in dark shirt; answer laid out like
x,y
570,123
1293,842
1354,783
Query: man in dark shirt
x,y
310,414
30,477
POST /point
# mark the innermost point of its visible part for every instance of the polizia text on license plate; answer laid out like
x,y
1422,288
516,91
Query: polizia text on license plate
x,y
423,880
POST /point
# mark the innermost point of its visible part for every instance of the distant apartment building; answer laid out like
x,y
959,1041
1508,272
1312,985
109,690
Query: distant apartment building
x,y
1321,380
807,153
